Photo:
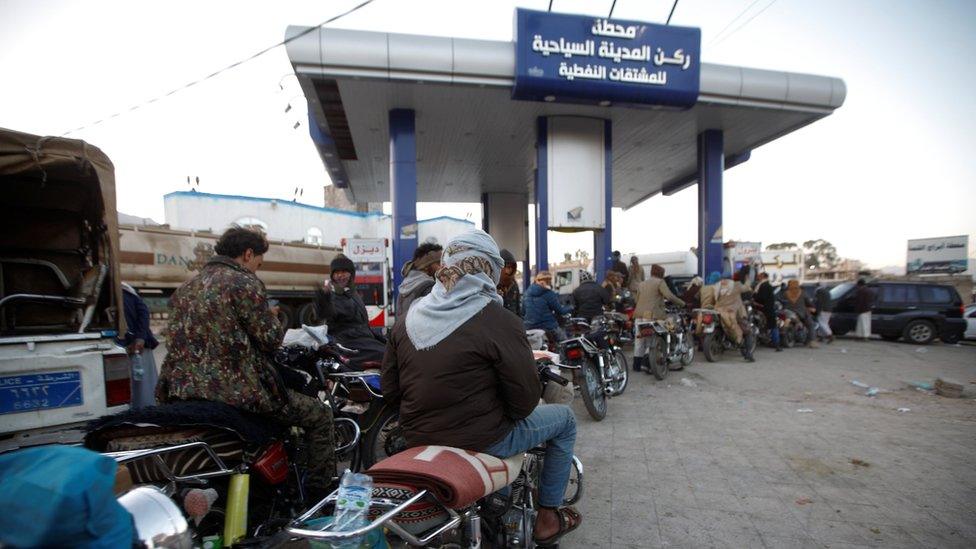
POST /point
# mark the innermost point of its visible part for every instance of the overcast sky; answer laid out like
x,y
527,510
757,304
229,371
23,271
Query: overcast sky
x,y
895,162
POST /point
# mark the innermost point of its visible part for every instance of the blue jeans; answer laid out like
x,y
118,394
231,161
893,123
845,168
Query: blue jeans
x,y
774,334
555,425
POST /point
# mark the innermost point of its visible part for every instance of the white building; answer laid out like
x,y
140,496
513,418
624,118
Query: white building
x,y
293,221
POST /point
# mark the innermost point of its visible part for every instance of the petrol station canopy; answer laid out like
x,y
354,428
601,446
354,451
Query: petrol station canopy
x,y
473,138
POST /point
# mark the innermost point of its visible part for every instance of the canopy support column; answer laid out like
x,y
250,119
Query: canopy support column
x,y
403,190
711,160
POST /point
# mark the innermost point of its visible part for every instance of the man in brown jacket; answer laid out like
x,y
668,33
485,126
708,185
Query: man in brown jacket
x,y
651,295
460,369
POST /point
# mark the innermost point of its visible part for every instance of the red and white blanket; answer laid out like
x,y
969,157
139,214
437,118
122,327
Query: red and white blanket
x,y
457,478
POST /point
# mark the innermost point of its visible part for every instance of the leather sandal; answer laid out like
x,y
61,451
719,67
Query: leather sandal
x,y
569,520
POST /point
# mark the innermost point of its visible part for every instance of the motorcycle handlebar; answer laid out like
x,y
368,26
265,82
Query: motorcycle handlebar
x,y
546,373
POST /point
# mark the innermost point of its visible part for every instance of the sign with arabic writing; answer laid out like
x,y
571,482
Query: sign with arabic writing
x,y
576,58
365,250
944,255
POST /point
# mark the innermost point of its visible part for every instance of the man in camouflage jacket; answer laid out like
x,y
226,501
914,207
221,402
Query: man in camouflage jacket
x,y
221,335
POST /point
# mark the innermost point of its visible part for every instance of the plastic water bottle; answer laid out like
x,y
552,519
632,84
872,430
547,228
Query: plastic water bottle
x,y
352,506
137,369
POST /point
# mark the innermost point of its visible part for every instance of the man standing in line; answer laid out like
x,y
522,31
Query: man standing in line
x,y
508,286
824,307
863,301
418,275
620,267
635,274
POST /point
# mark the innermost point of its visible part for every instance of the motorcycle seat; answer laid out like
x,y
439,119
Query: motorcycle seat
x,y
457,478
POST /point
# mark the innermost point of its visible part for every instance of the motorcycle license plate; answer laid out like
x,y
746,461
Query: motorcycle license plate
x,y
709,328
30,392
646,331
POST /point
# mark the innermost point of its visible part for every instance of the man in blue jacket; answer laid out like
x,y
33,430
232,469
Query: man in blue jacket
x,y
541,305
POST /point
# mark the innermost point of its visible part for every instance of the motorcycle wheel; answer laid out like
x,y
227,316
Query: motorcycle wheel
x,y
789,338
384,438
660,362
591,388
688,356
574,489
713,347
618,365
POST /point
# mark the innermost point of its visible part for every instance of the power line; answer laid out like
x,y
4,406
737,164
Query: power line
x,y
613,5
668,22
220,71
746,22
734,19
550,6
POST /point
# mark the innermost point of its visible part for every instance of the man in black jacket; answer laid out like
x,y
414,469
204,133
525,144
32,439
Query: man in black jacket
x,y
342,309
765,300
589,298
508,286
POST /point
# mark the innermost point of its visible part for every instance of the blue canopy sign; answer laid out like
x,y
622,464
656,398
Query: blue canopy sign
x,y
576,58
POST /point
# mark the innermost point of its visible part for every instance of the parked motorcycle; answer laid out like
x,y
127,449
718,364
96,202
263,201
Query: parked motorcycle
x,y
715,341
436,496
604,371
669,342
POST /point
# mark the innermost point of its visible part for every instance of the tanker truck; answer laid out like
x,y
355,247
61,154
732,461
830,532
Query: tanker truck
x,y
157,260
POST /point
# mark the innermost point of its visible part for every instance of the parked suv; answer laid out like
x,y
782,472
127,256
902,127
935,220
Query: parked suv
x,y
919,312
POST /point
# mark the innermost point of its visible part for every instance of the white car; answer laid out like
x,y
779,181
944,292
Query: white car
x,y
970,316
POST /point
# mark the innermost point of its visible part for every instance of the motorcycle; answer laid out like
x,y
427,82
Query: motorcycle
x,y
238,476
419,497
715,341
604,371
792,328
669,342
352,393
618,324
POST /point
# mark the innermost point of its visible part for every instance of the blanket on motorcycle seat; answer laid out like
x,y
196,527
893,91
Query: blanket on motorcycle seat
x,y
456,478
230,432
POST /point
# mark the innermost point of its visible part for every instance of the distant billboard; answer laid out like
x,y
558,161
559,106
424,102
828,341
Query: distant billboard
x,y
942,255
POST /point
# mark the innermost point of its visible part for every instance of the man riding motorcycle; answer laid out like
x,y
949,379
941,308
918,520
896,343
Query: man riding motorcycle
x,y
418,275
221,335
342,309
728,303
590,299
461,371
651,295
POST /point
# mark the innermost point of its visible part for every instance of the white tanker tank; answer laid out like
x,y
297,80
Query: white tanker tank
x,y
157,260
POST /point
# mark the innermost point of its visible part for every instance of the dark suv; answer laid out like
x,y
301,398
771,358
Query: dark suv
x,y
916,311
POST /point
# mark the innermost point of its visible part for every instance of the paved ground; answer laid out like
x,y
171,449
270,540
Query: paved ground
x,y
731,462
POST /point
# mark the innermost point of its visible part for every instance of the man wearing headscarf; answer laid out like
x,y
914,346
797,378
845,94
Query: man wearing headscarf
x,y
728,303
692,295
418,275
342,309
460,370
795,300
508,286
651,295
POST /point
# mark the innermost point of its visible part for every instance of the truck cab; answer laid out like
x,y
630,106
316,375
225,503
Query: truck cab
x,y
60,296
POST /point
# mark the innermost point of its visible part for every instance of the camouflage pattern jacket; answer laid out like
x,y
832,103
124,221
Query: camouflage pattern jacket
x,y
221,335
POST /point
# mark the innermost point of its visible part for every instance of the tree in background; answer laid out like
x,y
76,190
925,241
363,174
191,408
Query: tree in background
x,y
820,254
782,246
